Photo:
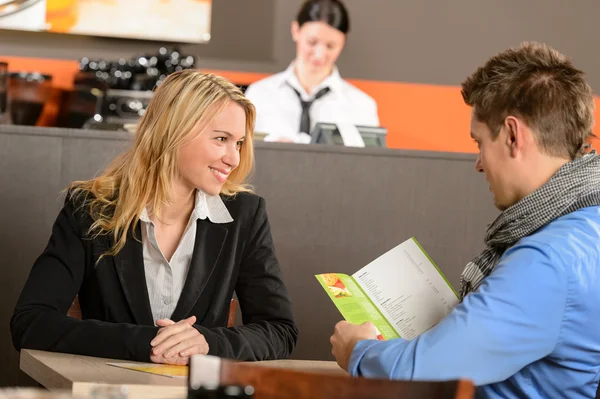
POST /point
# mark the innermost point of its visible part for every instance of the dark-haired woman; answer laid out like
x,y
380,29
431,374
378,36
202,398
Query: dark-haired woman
x,y
310,90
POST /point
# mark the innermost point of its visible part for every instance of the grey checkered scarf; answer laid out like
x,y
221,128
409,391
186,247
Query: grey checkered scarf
x,y
574,186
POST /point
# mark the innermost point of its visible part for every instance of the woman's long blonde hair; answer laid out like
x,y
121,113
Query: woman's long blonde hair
x,y
143,175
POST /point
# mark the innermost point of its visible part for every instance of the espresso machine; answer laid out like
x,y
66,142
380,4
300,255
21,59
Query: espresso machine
x,y
114,94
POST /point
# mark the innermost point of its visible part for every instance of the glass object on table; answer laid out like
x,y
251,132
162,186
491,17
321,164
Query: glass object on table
x,y
105,391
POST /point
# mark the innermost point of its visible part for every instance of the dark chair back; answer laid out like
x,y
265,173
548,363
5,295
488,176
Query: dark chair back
x,y
322,383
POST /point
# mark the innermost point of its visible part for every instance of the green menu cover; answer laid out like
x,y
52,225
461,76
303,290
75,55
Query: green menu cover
x,y
402,292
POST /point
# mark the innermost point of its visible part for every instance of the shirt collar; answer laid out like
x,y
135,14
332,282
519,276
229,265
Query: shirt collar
x,y
209,207
333,81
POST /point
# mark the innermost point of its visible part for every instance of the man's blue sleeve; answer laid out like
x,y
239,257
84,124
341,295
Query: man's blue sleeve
x,y
513,320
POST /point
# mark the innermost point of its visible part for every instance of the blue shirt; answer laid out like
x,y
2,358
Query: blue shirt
x,y
531,330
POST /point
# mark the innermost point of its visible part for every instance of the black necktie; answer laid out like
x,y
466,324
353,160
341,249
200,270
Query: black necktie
x,y
305,117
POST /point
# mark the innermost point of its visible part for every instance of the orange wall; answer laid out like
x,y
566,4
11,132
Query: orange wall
x,y
62,71
417,116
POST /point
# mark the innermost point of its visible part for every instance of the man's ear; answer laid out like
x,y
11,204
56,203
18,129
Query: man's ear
x,y
515,138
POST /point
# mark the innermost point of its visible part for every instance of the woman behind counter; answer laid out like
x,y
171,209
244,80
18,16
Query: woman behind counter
x,y
157,244
311,90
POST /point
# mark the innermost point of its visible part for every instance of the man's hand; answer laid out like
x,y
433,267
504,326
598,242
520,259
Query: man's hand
x,y
345,337
176,342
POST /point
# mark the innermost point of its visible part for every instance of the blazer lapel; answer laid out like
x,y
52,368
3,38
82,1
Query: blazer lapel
x,y
129,263
209,242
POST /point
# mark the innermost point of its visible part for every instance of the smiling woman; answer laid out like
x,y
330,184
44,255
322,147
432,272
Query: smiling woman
x,y
156,246
217,151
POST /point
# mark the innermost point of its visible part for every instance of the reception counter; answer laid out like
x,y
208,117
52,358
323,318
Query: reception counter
x,y
331,209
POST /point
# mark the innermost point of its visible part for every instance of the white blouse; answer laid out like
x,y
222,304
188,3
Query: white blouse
x,y
165,279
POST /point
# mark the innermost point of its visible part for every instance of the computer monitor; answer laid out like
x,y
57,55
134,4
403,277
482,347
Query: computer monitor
x,y
328,133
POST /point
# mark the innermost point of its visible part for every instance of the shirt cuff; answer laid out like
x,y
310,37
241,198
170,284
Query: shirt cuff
x,y
302,138
359,351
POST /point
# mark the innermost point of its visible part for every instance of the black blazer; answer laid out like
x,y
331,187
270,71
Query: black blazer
x,y
116,316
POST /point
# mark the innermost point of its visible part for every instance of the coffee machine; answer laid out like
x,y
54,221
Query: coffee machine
x,y
120,109
114,94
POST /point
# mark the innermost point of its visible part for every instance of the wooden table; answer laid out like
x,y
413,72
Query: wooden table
x,y
84,375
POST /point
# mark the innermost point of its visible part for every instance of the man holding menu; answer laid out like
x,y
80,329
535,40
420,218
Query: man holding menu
x,y
528,324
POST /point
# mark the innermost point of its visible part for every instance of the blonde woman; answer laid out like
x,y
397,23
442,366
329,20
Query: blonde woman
x,y
157,244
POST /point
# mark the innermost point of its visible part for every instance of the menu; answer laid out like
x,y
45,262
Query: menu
x,y
160,369
403,293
